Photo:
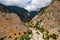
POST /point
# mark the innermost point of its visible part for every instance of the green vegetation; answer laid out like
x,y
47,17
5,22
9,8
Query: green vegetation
x,y
16,38
27,25
38,33
3,9
1,38
26,36
40,29
58,30
44,31
43,10
54,36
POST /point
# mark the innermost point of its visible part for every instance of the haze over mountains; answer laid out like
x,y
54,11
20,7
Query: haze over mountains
x,y
24,14
30,5
26,9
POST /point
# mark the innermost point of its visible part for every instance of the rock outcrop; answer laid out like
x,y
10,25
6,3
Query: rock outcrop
x,y
11,26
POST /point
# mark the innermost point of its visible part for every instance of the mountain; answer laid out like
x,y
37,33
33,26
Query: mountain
x,y
21,12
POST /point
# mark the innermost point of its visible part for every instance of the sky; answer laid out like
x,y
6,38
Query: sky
x,y
30,5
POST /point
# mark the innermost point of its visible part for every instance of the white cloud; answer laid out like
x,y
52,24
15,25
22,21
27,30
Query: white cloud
x,y
30,5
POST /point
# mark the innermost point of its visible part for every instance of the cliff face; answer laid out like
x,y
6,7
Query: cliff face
x,y
11,26
50,18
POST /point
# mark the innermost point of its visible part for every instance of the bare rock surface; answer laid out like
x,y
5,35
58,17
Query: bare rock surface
x,y
11,26
51,18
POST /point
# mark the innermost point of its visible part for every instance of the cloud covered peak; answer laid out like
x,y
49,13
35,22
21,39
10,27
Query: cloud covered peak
x,y
30,5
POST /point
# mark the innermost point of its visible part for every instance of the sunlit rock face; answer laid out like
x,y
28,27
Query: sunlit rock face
x,y
26,9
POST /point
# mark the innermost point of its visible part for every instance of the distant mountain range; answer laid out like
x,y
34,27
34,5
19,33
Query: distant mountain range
x,y
21,12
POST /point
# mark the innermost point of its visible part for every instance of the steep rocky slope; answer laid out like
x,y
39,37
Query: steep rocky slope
x,y
50,19
11,26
